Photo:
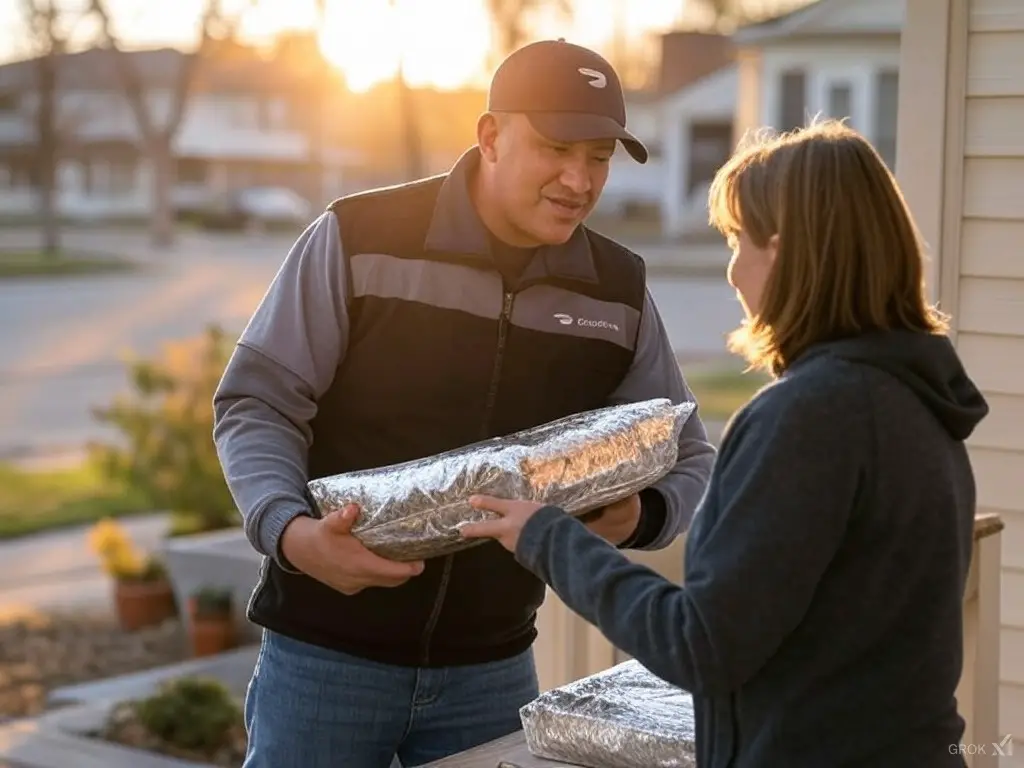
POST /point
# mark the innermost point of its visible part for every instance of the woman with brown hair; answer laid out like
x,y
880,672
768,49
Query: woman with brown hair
x,y
820,621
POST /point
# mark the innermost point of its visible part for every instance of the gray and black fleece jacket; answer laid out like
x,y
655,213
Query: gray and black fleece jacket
x,y
392,331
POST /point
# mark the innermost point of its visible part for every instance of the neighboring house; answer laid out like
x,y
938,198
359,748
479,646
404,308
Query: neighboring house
x,y
961,164
686,120
248,122
698,136
833,58
631,187
697,81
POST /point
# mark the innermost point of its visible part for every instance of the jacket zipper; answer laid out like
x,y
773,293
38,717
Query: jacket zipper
x,y
492,397
499,358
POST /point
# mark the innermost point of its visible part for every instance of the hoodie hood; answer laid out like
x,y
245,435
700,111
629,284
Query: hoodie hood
x,y
927,364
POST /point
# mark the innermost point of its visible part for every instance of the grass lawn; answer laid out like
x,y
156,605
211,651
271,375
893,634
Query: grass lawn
x,y
37,500
15,264
720,393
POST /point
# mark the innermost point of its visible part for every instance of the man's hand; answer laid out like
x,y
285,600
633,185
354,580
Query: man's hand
x,y
326,550
615,522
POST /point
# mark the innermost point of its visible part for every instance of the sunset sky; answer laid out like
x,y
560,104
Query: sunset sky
x,y
444,42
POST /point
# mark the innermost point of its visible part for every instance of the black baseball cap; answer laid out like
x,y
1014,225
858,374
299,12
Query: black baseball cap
x,y
568,92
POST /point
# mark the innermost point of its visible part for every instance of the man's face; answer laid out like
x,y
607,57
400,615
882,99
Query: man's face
x,y
544,188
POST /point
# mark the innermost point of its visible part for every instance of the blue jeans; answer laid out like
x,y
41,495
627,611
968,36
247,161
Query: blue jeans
x,y
309,707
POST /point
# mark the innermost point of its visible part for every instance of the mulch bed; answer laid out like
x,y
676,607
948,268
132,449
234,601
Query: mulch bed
x,y
40,653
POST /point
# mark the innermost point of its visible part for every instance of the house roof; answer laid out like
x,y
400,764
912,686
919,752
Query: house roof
x,y
233,69
712,97
827,18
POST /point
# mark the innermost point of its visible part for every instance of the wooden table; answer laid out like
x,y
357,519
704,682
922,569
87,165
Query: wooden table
x,y
507,752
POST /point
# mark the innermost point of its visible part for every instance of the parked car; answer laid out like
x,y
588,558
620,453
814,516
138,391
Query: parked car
x,y
258,207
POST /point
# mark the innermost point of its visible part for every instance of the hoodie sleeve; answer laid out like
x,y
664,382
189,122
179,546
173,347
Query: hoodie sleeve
x,y
762,539
284,361
668,506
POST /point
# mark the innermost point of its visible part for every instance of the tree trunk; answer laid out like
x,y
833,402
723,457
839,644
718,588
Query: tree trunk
x,y
49,218
162,180
413,143
48,152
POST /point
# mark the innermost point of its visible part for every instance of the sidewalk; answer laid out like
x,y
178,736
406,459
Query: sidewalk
x,y
57,571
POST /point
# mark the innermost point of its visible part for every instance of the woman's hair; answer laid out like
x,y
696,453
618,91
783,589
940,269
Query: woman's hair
x,y
850,259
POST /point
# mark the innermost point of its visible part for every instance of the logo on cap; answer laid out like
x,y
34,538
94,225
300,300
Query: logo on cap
x,y
595,78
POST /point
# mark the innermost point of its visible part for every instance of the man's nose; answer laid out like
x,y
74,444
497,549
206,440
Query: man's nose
x,y
576,176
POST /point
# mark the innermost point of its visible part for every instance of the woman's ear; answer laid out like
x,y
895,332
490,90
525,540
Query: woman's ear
x,y
773,247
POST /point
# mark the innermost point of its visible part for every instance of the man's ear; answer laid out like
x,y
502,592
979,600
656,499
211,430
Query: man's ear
x,y
487,129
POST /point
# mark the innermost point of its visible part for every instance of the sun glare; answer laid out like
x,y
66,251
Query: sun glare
x,y
443,43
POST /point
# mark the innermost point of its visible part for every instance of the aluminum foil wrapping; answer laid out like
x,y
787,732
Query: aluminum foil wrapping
x,y
414,510
623,717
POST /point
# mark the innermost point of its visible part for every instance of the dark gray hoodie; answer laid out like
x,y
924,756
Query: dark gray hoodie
x,y
820,621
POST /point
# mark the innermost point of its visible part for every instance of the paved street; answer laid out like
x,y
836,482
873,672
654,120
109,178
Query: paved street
x,y
64,339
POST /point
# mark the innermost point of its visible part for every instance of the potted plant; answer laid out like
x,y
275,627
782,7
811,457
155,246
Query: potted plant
x,y
142,593
211,623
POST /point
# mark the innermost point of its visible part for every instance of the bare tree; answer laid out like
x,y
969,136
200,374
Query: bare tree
x,y
513,20
408,115
215,28
48,32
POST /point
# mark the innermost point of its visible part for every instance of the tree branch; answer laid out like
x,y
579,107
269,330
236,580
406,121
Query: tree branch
x,y
131,83
212,19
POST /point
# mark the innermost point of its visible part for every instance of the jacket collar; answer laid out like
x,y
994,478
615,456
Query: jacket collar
x,y
455,227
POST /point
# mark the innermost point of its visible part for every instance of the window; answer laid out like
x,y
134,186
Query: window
x,y
793,100
710,147
840,101
887,87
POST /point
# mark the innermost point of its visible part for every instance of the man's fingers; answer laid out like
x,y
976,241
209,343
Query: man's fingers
x,y
492,529
340,521
491,504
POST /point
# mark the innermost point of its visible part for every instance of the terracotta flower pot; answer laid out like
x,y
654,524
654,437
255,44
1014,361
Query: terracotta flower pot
x,y
143,603
211,635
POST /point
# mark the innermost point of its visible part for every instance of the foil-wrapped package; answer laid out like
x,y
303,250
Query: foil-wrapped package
x,y
414,510
623,717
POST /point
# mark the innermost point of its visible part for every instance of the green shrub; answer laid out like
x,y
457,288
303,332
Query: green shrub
x,y
167,454
192,713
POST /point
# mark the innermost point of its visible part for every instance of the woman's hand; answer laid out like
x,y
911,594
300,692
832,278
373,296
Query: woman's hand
x,y
506,529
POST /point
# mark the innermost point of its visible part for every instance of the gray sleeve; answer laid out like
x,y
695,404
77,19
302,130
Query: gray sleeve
x,y
283,362
655,373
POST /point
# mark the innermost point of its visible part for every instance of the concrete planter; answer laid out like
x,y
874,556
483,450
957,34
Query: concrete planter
x,y
59,738
233,668
220,559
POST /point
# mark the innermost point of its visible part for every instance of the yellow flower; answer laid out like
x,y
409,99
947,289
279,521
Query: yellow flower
x,y
115,550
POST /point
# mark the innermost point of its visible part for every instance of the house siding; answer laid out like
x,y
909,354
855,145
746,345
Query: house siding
x,y
989,307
